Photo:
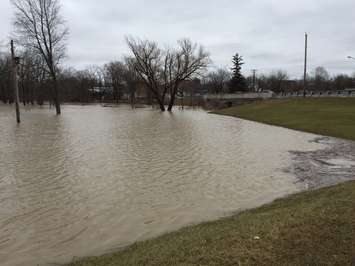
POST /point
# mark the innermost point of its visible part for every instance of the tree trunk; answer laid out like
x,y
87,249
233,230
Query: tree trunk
x,y
116,94
2,94
23,93
132,100
161,102
171,102
161,106
56,95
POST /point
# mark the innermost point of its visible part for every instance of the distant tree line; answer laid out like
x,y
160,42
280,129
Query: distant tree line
x,y
115,82
222,81
119,81
162,75
82,86
41,33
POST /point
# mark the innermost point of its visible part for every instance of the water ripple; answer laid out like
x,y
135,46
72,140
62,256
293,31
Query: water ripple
x,y
97,178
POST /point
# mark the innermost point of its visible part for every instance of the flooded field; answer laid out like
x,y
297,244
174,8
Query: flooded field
x,y
97,179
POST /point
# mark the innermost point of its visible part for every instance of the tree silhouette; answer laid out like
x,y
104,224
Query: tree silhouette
x,y
238,82
40,27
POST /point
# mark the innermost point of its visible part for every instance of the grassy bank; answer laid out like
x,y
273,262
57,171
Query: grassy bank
x,y
311,228
325,116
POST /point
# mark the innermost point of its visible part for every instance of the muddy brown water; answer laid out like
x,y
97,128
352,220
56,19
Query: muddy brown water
x,y
97,179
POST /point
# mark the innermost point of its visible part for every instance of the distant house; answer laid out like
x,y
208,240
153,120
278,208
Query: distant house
x,y
101,90
349,91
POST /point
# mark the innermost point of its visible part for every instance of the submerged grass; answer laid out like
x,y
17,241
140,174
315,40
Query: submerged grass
x,y
325,116
310,228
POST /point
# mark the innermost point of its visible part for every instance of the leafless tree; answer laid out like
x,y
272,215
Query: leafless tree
x,y
84,81
98,72
342,81
218,80
277,79
5,78
321,73
163,70
40,27
132,80
115,72
321,78
30,73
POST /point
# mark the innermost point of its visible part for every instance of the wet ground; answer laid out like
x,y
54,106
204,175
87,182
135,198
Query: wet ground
x,y
325,167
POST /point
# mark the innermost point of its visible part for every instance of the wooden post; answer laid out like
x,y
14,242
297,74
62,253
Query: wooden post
x,y
14,62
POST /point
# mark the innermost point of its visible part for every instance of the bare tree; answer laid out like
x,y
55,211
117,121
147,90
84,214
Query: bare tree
x,y
218,80
342,81
5,78
132,79
98,72
163,71
84,81
40,27
29,74
115,72
321,78
277,79
322,73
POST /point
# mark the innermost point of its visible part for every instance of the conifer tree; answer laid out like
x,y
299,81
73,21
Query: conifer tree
x,y
238,82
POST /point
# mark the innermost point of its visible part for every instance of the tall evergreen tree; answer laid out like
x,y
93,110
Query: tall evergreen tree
x,y
238,82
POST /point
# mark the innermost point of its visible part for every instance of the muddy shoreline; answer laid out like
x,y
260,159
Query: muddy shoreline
x,y
325,167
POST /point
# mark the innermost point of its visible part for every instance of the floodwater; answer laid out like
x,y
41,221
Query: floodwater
x,y
97,179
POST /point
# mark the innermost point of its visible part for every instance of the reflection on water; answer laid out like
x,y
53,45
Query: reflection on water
x,y
96,179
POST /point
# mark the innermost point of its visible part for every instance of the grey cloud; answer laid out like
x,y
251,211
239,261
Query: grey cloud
x,y
268,33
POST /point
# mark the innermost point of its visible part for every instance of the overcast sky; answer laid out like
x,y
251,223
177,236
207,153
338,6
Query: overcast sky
x,y
269,34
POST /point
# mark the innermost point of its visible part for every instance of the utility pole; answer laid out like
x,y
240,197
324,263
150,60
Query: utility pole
x,y
305,66
14,62
254,79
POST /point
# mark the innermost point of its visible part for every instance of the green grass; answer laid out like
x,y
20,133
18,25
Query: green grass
x,y
324,116
310,228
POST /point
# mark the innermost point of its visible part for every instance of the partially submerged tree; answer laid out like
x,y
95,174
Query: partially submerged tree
x,y
40,27
163,70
